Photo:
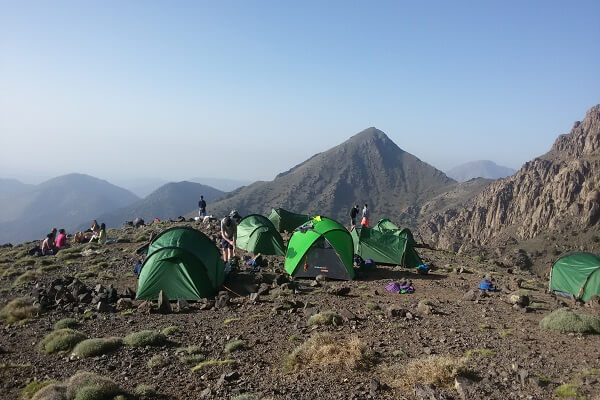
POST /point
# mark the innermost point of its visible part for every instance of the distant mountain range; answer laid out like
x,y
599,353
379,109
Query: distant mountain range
x,y
63,202
479,169
168,201
367,168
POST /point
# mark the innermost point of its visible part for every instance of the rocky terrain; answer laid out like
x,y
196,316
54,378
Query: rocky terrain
x,y
555,197
266,336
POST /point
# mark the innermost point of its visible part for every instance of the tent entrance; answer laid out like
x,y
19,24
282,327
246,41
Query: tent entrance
x,y
321,258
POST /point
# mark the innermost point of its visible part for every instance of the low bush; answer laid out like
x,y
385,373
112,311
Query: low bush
x,y
27,276
565,320
325,318
325,350
157,361
61,340
65,323
235,345
33,387
19,309
212,363
97,346
435,370
145,338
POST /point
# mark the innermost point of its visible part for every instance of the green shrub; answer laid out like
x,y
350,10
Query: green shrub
x,y
157,361
90,386
145,338
27,276
143,390
565,320
65,323
170,330
19,309
325,318
97,346
230,321
61,340
33,387
235,346
568,391
212,363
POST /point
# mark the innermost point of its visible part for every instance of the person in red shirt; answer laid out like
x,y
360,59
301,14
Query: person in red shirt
x,y
61,239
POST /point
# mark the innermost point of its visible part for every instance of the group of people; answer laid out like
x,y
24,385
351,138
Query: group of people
x,y
53,242
365,216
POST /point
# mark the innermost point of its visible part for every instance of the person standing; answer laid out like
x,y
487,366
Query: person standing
x,y
228,237
365,216
202,207
353,214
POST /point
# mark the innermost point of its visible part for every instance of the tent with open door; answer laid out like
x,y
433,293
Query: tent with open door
x,y
184,263
576,275
387,247
256,234
320,246
287,221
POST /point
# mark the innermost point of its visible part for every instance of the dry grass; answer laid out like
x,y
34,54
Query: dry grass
x,y
325,318
19,309
435,370
323,350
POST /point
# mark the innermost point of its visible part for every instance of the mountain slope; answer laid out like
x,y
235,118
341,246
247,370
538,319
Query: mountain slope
x,y
367,168
168,201
479,169
557,192
60,202
9,187
226,185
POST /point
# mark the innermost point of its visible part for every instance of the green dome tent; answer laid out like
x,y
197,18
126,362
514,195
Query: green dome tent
x,y
385,225
321,246
256,234
387,247
182,262
576,274
286,220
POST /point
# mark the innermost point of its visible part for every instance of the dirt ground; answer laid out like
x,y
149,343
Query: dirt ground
x,y
506,353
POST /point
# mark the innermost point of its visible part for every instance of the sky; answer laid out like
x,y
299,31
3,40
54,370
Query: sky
x,y
247,89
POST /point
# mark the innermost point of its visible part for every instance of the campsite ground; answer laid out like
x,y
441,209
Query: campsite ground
x,y
502,351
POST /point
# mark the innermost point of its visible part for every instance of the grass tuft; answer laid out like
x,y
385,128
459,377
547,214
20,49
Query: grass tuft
x,y
145,338
438,371
143,390
90,386
568,391
157,361
170,330
235,345
230,321
565,320
19,309
212,363
324,350
33,387
61,340
65,323
97,346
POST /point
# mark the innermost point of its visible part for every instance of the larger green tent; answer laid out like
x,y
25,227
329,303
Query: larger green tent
x,y
257,234
287,221
577,275
321,246
184,263
387,247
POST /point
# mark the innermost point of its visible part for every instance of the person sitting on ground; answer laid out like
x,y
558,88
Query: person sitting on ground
x,y
228,238
100,237
79,237
61,239
95,227
48,248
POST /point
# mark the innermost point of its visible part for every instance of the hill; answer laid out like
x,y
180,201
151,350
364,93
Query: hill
x,y
168,201
479,169
226,185
367,168
9,187
552,203
61,202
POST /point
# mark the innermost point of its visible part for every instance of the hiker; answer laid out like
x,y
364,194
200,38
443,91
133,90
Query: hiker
x,y
235,216
353,214
228,237
48,247
61,239
100,237
365,216
95,227
202,207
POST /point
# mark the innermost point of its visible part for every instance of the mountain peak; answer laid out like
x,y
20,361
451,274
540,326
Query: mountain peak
x,y
369,134
584,138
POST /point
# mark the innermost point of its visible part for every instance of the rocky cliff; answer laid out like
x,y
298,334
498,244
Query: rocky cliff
x,y
556,191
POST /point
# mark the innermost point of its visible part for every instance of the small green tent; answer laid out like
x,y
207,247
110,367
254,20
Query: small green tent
x,y
286,220
182,262
257,234
387,247
577,274
385,225
320,246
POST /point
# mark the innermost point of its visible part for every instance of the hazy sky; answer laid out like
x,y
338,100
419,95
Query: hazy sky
x,y
246,89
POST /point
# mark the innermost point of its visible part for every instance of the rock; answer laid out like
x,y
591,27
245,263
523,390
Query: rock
x,y
424,308
523,374
464,387
206,393
428,392
347,315
103,306
222,301
263,289
321,278
471,295
427,350
145,307
124,304
315,284
281,279
206,304
182,305
374,386
129,293
85,298
394,311
521,300
254,297
164,307
339,291
99,288
593,302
